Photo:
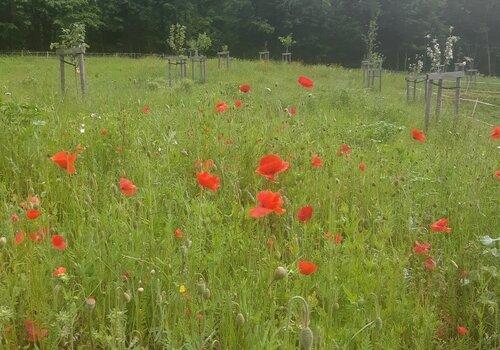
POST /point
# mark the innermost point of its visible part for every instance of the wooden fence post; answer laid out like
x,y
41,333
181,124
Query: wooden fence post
x,y
457,97
428,100
81,67
407,89
63,73
439,99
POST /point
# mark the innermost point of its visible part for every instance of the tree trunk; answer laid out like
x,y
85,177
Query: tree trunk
x,y
488,52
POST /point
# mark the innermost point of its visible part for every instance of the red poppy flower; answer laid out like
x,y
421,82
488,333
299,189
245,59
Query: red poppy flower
x,y
221,107
269,202
14,217
306,82
316,161
245,88
344,150
430,264
146,109
338,238
271,165
35,332
362,167
238,103
292,111
421,248
495,133
497,174
32,214
178,233
440,226
127,187
305,213
65,160
461,330
418,135
58,242
19,237
59,271
307,267
207,180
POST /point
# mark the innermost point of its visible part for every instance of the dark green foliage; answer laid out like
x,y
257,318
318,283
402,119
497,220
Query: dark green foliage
x,y
325,30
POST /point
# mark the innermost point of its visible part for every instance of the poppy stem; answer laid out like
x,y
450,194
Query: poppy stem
x,y
306,316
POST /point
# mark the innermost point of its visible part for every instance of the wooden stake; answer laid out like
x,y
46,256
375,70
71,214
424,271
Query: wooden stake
x,y
428,104
81,67
457,97
439,101
407,90
63,74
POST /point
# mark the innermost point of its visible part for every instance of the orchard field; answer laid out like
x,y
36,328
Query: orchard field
x,y
188,223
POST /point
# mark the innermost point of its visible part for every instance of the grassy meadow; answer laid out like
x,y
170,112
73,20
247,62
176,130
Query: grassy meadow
x,y
131,281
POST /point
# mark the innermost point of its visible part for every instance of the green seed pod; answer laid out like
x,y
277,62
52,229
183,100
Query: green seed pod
x,y
280,273
201,286
378,323
336,306
184,250
306,339
206,293
240,319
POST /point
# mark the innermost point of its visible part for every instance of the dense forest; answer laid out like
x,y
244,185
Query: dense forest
x,y
328,31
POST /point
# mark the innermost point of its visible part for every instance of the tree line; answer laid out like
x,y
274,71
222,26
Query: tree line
x,y
326,31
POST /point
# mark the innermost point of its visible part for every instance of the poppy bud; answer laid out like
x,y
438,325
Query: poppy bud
x,y
378,323
184,250
336,306
206,293
201,286
3,241
306,338
127,296
90,302
280,273
240,319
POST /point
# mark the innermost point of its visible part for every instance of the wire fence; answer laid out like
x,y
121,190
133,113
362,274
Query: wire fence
x,y
52,54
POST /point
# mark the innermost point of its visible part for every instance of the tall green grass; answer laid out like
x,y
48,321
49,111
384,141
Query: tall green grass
x,y
122,251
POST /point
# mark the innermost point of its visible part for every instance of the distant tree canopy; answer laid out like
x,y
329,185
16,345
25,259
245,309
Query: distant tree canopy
x,y
324,30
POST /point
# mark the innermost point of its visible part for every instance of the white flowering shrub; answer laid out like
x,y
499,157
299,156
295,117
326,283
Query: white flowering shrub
x,y
434,51
448,50
417,66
